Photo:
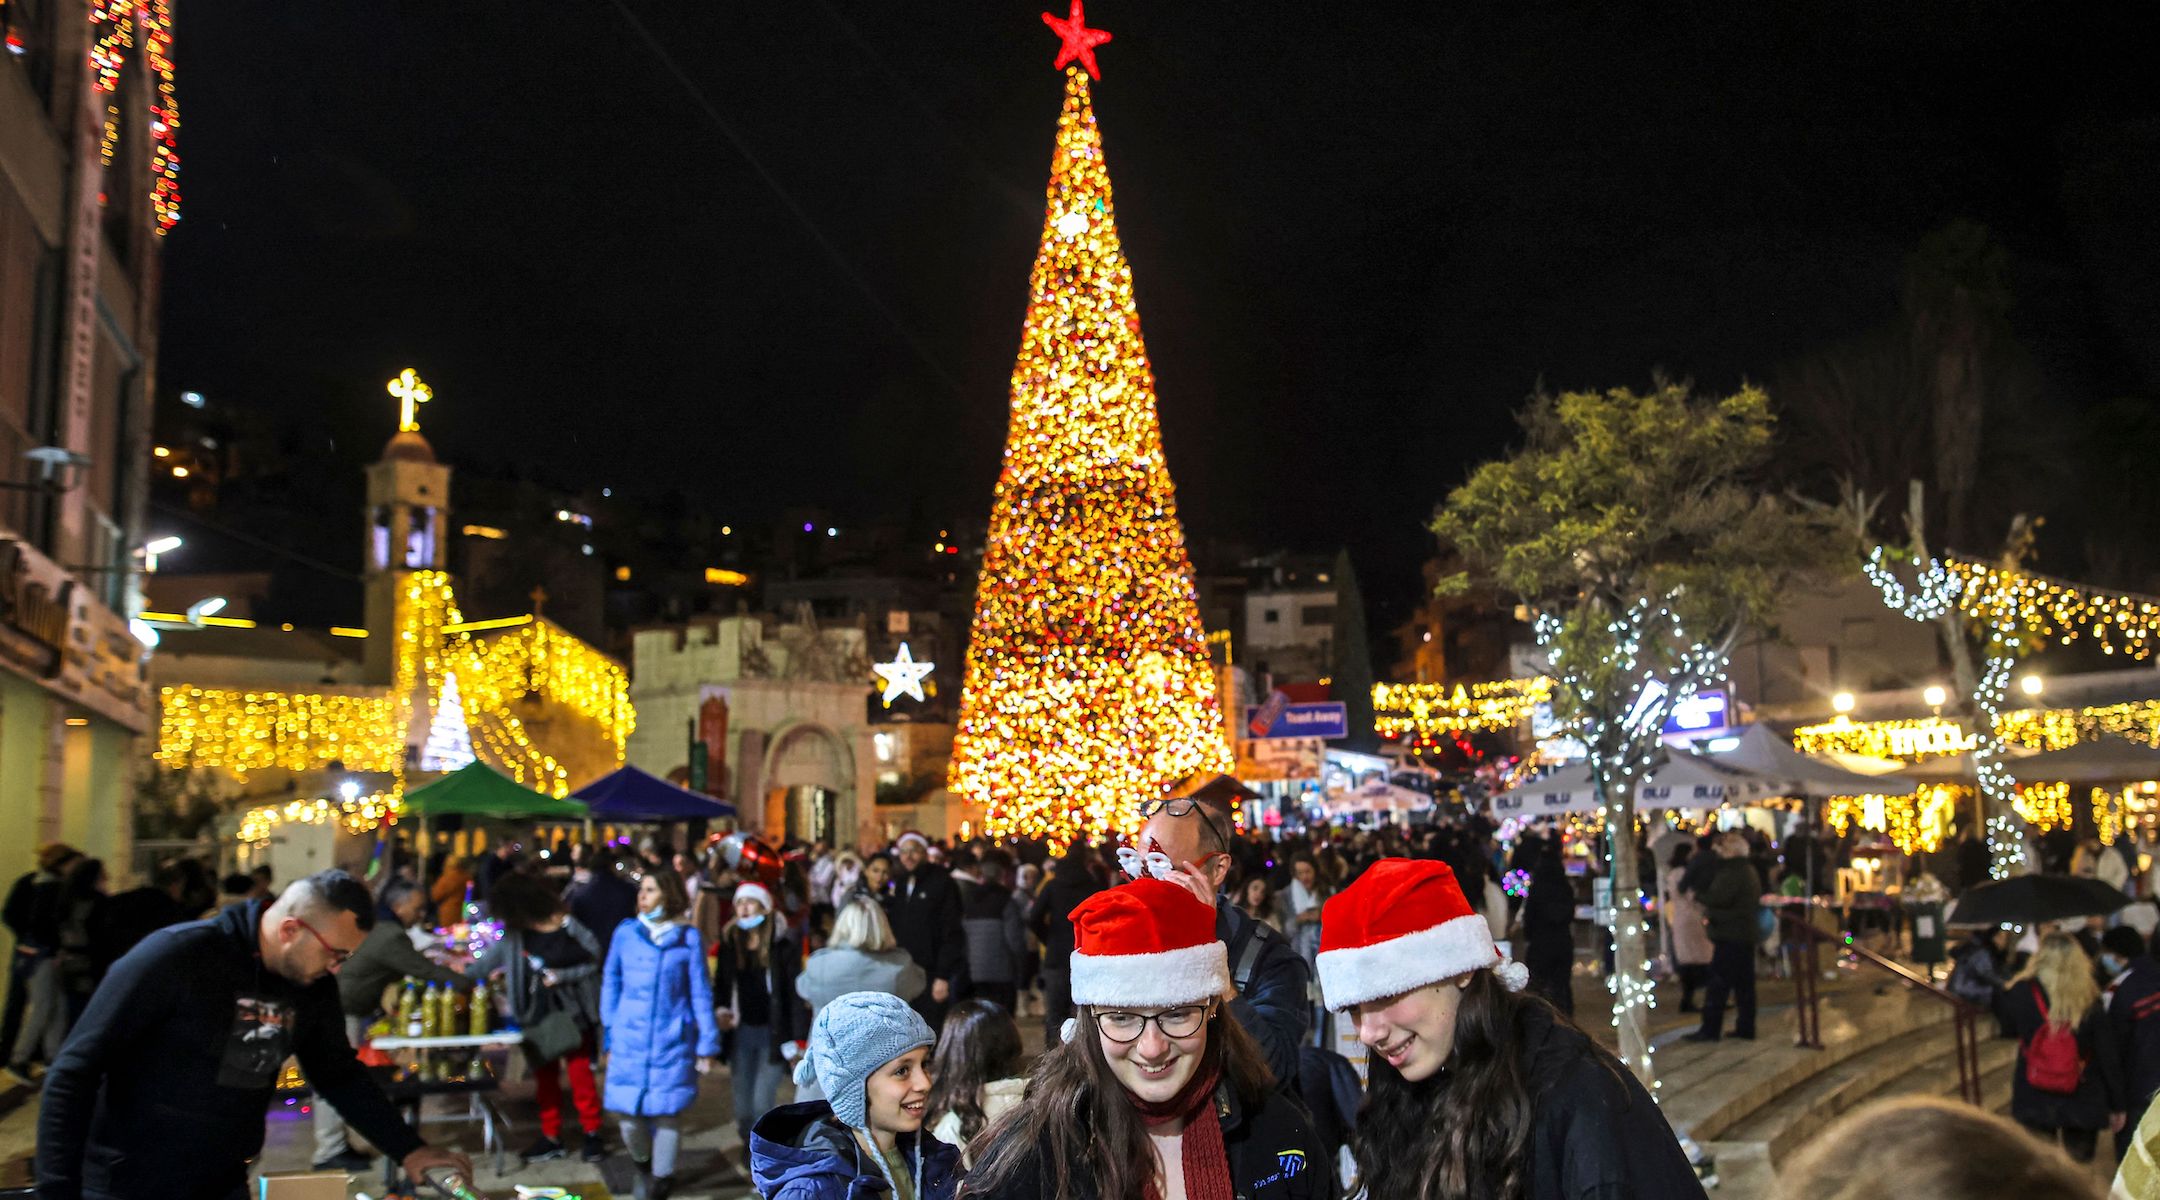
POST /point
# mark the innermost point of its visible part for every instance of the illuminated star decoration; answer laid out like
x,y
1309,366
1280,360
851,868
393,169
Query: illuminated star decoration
x,y
903,676
1080,41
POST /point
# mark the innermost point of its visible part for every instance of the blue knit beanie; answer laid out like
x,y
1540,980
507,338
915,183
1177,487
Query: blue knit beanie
x,y
850,1039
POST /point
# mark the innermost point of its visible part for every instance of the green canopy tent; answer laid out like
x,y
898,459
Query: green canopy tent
x,y
479,790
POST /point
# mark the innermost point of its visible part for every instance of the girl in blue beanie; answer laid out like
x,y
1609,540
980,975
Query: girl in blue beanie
x,y
870,1053
656,1006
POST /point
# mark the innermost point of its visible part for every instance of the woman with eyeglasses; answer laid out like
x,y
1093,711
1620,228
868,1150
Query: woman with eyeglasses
x,y
1155,1092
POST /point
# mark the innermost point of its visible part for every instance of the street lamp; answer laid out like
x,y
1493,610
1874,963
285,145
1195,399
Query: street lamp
x,y
2031,685
156,546
1842,703
1935,695
209,606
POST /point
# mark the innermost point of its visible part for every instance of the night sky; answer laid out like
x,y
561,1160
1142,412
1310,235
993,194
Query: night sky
x,y
1360,233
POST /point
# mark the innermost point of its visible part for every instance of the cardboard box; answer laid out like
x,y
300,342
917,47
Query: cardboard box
x,y
302,1185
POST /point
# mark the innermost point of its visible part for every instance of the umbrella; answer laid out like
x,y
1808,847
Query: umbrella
x,y
479,790
2035,899
632,795
1685,778
2105,760
1565,790
1765,753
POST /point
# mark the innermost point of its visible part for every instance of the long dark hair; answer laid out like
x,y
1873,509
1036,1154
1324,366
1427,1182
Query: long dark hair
x,y
1077,1122
980,1043
1463,1133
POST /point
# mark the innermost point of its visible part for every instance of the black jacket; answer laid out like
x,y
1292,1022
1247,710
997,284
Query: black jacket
x,y
2100,1088
128,918
1595,1134
162,1088
602,903
1271,978
787,1016
1070,883
34,908
1273,1156
924,907
2134,1016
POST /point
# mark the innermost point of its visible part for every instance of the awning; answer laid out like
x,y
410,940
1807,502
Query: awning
x,y
2102,761
479,790
1764,753
632,795
1684,781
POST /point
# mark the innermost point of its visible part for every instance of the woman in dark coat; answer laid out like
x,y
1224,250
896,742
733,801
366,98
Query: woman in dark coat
x,y
1477,1090
1548,922
2056,990
754,986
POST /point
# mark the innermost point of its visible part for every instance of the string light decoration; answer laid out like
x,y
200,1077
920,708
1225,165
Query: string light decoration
x,y
115,26
1429,712
490,675
1087,687
1912,740
243,731
449,740
1914,823
360,814
2038,609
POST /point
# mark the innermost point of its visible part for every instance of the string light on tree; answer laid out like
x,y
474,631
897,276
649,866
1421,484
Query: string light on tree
x,y
1087,686
449,741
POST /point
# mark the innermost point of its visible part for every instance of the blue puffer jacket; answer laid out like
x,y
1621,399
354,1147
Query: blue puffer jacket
x,y
798,1152
656,1007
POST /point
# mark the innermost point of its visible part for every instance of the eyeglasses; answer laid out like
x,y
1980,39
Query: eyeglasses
x,y
338,957
1183,1022
1186,806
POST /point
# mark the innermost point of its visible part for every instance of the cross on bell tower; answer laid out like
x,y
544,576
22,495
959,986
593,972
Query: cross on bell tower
x,y
408,513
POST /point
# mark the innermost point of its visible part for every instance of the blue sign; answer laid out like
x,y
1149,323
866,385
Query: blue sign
x,y
1702,712
1327,719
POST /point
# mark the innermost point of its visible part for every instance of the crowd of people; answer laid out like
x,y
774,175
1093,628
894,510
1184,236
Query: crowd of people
x,y
1186,981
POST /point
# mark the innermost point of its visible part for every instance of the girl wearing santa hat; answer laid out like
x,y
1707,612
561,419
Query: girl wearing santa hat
x,y
1156,1092
754,971
1476,1090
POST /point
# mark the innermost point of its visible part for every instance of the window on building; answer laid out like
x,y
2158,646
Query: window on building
x,y
1271,617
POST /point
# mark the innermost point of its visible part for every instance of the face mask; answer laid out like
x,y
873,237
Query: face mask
x,y
653,916
2110,963
751,922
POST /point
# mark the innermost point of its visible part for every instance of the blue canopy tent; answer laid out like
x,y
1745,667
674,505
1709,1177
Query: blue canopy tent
x,y
632,795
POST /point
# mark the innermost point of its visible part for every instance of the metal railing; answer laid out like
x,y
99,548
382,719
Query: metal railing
x,y
1802,938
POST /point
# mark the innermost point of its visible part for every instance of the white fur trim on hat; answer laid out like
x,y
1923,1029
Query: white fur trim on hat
x,y
1356,974
1186,975
912,836
751,890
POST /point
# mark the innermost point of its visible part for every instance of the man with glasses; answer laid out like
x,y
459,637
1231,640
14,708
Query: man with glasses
x,y
163,1087
1194,827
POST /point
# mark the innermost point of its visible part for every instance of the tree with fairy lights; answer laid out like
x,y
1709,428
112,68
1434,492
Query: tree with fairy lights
x,y
1630,525
1088,686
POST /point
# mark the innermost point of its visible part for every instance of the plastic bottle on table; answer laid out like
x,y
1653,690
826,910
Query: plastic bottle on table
x,y
409,1009
481,1008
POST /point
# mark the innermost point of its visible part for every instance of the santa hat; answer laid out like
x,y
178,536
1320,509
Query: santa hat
x,y
755,891
1148,944
921,843
1402,925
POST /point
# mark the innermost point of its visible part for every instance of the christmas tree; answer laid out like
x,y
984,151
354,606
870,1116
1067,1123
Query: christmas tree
x,y
1088,687
449,740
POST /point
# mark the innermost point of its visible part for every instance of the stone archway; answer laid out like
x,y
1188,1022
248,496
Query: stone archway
x,y
809,783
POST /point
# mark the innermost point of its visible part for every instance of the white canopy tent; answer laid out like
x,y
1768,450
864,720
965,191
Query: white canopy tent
x,y
1765,753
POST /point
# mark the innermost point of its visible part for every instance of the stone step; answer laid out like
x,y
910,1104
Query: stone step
x,y
1922,1064
1709,1090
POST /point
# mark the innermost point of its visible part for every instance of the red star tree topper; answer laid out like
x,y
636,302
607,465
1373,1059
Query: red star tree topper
x,y
1079,40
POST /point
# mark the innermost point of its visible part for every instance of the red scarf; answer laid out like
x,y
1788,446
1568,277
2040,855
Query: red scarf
x,y
1206,1163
